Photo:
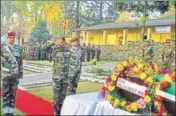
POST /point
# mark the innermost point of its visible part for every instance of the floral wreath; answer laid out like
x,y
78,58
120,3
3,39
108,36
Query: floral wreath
x,y
137,68
164,83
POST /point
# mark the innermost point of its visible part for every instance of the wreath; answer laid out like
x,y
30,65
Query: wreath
x,y
167,79
125,70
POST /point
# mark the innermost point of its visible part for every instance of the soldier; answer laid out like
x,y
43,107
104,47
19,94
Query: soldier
x,y
98,52
93,51
13,63
60,76
168,55
149,54
75,64
88,50
83,48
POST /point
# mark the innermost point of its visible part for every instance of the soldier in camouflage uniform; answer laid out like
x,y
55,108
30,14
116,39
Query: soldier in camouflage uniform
x,y
168,55
88,50
149,54
98,52
93,51
75,64
83,48
60,76
12,63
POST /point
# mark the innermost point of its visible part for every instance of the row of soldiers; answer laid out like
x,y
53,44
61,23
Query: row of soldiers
x,y
90,52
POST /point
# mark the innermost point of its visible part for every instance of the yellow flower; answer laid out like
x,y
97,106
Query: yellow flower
x,y
143,76
147,98
157,87
149,80
111,87
134,106
156,103
113,77
129,109
116,103
120,67
125,63
135,69
122,103
109,98
140,65
167,78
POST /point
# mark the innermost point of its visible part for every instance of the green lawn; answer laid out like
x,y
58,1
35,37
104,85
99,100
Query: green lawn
x,y
47,92
83,87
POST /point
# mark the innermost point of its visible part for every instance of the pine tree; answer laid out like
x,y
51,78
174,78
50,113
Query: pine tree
x,y
40,34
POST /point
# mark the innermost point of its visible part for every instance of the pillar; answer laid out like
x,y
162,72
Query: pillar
x,y
124,42
104,37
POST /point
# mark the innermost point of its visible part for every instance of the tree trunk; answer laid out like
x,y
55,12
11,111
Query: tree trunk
x,y
77,17
101,8
144,25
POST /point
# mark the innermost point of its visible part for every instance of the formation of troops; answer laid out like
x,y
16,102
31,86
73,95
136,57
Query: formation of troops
x,y
67,62
46,52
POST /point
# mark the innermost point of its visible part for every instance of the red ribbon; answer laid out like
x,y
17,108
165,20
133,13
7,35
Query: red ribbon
x,y
162,110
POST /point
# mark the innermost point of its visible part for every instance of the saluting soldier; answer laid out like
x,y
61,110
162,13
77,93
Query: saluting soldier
x,y
60,75
12,71
75,64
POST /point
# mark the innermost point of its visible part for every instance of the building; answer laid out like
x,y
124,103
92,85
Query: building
x,y
158,30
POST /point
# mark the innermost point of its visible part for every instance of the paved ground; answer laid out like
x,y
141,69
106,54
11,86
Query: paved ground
x,y
47,77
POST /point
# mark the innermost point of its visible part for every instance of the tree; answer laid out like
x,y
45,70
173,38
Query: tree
x,y
170,13
40,34
125,16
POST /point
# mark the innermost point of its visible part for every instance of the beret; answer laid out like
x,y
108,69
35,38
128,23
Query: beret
x,y
11,34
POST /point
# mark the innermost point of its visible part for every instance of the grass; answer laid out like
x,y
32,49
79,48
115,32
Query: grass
x,y
50,64
83,87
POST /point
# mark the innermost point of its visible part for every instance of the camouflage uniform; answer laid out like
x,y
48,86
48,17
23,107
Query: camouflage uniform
x,y
12,71
149,54
75,64
60,77
83,48
93,52
168,57
88,50
98,52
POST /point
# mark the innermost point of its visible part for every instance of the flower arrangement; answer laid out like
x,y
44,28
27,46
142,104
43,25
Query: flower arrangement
x,y
131,68
164,83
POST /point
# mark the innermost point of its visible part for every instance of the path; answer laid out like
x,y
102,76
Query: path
x,y
47,77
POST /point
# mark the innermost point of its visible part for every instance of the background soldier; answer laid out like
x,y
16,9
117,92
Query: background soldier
x,y
60,76
98,52
93,51
168,55
83,48
88,50
12,75
75,64
149,54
